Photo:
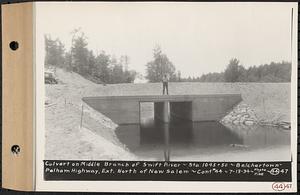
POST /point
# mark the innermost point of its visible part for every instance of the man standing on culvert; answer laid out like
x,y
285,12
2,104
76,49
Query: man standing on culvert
x,y
165,84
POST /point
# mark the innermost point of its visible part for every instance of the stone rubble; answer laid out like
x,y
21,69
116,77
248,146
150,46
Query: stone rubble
x,y
241,114
244,115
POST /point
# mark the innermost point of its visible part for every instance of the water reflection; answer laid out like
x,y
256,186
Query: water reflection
x,y
181,139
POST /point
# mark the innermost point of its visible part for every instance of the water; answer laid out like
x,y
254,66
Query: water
x,y
186,140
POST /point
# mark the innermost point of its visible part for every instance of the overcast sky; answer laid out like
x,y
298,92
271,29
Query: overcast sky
x,y
197,37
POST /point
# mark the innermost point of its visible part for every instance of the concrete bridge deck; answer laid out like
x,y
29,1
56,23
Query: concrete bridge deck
x,y
159,98
126,109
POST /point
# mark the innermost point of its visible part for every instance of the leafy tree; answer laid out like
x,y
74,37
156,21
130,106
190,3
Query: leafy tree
x,y
54,52
231,73
242,74
91,63
80,55
117,75
101,67
129,76
159,66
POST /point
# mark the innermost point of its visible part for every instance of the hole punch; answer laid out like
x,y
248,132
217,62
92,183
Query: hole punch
x,y
14,45
15,149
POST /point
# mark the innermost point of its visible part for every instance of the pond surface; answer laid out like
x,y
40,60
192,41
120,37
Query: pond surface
x,y
194,141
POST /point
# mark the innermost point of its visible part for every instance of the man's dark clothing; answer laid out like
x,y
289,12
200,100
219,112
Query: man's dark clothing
x,y
165,87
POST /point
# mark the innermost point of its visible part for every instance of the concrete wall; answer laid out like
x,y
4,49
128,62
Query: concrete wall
x,y
126,109
212,108
120,112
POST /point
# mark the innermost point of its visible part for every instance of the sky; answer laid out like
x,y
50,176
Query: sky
x,y
198,38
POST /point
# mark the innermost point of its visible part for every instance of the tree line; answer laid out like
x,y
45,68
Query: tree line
x,y
235,72
99,68
105,68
